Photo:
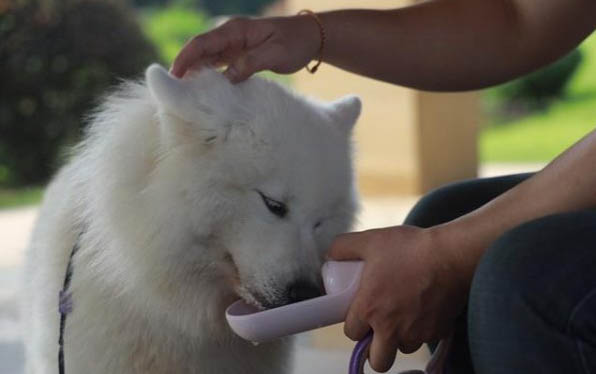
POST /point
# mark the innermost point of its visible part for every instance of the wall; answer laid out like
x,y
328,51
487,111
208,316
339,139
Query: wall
x,y
407,141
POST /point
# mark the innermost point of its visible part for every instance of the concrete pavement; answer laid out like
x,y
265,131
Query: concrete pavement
x,y
15,227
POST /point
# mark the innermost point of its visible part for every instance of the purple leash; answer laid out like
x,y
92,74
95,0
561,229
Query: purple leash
x,y
360,355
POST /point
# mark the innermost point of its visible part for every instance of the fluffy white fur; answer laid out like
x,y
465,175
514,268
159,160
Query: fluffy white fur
x,y
165,193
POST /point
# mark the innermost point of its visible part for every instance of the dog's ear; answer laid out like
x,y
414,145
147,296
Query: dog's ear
x,y
174,96
345,111
176,99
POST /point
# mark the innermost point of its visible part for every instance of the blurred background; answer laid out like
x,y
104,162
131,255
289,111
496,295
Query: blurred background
x,y
58,57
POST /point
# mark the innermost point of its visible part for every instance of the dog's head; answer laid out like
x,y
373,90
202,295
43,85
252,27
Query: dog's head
x,y
263,176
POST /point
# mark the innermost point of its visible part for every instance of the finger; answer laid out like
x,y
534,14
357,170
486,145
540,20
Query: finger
x,y
350,246
198,50
382,352
354,327
257,59
217,60
411,338
409,347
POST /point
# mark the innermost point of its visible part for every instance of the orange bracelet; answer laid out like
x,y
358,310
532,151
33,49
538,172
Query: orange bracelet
x,y
323,39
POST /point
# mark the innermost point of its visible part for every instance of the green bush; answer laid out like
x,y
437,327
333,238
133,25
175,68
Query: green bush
x,y
169,28
56,58
227,7
538,88
144,3
213,7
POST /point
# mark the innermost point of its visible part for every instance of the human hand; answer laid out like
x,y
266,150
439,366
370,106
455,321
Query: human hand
x,y
410,291
281,44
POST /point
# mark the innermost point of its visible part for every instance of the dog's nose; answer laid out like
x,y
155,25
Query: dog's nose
x,y
303,290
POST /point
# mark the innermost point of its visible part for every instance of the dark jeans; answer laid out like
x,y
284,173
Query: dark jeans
x,y
532,305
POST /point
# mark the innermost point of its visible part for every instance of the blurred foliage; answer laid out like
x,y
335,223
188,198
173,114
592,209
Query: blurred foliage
x,y
213,7
227,7
169,28
541,135
536,90
56,58
10,198
145,3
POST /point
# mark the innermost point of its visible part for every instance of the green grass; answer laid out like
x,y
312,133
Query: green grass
x,y
10,198
542,136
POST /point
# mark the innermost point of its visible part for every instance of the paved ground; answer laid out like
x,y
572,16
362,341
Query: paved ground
x,y
325,351
15,226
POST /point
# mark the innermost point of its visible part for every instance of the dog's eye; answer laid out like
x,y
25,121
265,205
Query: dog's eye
x,y
276,207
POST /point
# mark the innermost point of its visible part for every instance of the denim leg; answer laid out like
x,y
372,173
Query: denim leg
x,y
532,306
445,204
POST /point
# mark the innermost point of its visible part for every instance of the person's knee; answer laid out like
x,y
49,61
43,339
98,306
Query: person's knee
x,y
527,285
513,264
525,259
456,199
530,268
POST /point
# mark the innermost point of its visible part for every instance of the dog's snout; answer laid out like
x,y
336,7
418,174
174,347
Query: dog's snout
x,y
303,290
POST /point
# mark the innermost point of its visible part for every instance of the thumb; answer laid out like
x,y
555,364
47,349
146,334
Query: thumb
x,y
350,246
257,59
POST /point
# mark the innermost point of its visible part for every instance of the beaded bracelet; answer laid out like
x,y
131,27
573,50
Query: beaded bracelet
x,y
323,39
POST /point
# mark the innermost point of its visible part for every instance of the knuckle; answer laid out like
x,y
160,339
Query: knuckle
x,y
354,328
197,42
348,331
250,61
376,238
197,39
340,240
386,338
237,23
368,312
382,236
192,42
352,333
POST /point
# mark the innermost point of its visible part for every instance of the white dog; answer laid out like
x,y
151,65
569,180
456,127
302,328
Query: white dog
x,y
185,195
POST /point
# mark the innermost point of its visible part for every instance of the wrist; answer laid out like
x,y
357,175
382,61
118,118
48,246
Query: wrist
x,y
308,29
314,17
458,253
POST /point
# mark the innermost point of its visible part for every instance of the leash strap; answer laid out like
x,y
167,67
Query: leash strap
x,y
360,354
65,305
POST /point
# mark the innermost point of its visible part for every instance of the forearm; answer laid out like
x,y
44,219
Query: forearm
x,y
455,44
566,184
